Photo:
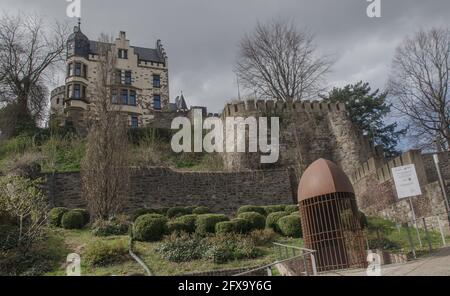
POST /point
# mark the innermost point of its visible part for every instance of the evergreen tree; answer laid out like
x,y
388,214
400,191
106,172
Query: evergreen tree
x,y
367,110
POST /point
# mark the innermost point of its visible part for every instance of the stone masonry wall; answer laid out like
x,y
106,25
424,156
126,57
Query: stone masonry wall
x,y
162,187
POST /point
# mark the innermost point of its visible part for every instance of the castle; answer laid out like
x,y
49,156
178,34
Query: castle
x,y
308,131
141,87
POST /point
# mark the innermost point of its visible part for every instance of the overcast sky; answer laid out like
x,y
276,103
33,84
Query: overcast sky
x,y
201,36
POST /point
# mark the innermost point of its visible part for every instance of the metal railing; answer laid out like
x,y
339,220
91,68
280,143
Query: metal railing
x,y
306,255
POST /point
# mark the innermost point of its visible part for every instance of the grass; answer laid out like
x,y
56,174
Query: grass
x,y
75,241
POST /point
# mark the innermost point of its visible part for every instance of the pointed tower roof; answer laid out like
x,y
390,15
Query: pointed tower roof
x,y
323,177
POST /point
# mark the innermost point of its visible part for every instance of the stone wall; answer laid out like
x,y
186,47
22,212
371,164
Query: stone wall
x,y
222,192
308,131
376,193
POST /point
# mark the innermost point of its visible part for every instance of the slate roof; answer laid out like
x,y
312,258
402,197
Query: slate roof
x,y
144,54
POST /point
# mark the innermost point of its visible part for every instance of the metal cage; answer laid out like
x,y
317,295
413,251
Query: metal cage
x,y
330,218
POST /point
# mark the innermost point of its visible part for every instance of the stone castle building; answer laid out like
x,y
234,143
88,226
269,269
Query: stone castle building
x,y
141,83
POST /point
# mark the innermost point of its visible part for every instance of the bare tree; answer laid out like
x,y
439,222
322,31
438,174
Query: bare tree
x,y
419,85
104,168
29,47
279,61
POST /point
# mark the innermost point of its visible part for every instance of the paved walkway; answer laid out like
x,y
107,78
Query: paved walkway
x,y
437,264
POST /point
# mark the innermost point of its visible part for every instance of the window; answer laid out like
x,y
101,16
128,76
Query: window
x,y
124,94
123,54
128,77
134,122
70,70
84,71
57,101
77,69
132,98
157,102
77,91
156,81
114,98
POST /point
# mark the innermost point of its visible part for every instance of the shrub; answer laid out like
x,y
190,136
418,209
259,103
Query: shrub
x,y
9,237
291,209
150,227
140,212
241,225
177,212
262,237
272,219
55,216
206,223
225,227
182,248
201,210
116,226
85,214
190,209
363,220
273,209
290,226
183,224
225,247
100,253
72,220
246,209
255,220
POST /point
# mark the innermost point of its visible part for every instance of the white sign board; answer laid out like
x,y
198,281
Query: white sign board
x,y
406,181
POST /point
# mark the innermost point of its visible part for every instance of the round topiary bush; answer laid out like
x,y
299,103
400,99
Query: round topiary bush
x,y
140,212
177,212
201,211
272,220
274,208
290,226
183,224
190,209
246,209
72,220
255,220
225,227
55,216
206,223
86,215
241,225
291,209
150,227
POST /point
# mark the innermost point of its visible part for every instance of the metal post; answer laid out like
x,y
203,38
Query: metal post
x,y
415,222
430,247
441,181
441,230
411,244
313,264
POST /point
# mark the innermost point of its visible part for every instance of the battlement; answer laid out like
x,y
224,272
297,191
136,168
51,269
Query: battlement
x,y
244,107
384,172
58,90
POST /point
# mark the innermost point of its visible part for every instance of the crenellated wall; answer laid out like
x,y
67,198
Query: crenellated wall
x,y
308,131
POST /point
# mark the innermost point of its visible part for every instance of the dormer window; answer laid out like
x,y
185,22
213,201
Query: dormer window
x,y
123,54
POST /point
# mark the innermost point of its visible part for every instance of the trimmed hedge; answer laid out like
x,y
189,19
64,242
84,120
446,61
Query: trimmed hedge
x,y
72,220
140,212
100,253
291,209
225,227
247,209
86,215
241,225
206,223
201,211
272,220
55,215
183,224
150,227
274,208
255,220
178,211
290,226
